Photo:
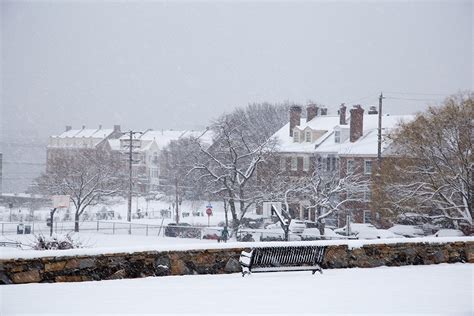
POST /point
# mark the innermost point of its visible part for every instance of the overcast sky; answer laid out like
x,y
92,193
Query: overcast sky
x,y
177,65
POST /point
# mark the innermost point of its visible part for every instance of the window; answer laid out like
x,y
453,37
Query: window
x,y
367,195
294,163
283,163
367,217
328,164
350,166
296,136
305,163
154,173
368,167
308,136
337,136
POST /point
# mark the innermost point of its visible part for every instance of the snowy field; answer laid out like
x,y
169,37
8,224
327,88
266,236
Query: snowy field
x,y
445,289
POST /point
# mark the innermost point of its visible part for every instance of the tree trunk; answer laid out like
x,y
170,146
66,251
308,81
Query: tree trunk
x,y
76,222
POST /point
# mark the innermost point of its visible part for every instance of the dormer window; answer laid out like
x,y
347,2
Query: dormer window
x,y
337,136
308,136
296,136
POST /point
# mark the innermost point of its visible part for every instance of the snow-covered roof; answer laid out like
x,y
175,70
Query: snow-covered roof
x,y
86,132
164,137
366,145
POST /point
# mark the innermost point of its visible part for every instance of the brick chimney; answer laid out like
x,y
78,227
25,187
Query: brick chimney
x,y
357,123
311,112
68,128
295,117
342,114
373,110
324,111
116,128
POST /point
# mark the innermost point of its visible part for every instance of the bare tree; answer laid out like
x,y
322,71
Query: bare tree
x,y
431,171
87,176
228,167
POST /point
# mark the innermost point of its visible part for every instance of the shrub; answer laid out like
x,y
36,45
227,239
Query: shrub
x,y
55,242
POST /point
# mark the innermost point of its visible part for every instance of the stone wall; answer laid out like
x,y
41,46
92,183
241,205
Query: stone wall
x,y
217,261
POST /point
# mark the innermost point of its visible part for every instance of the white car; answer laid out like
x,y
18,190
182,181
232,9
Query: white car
x,y
407,230
314,234
448,233
296,226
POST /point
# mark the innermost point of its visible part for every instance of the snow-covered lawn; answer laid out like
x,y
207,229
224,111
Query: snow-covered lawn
x,y
445,289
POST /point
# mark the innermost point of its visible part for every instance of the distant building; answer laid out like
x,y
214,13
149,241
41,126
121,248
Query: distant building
x,y
332,144
147,167
72,140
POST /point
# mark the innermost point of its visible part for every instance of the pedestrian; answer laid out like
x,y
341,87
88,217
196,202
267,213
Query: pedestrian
x,y
224,234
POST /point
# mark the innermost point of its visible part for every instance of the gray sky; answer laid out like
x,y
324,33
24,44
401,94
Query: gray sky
x,y
177,65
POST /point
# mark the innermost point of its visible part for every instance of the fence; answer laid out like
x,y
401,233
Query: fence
x,y
122,228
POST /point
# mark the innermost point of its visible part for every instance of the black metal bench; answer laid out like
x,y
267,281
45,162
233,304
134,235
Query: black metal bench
x,y
286,258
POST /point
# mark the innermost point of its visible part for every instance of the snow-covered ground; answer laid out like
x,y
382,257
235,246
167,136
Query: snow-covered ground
x,y
445,289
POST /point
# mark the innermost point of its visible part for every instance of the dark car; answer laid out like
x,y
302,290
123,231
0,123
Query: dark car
x,y
183,230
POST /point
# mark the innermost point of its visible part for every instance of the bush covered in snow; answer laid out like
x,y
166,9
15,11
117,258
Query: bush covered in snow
x,y
55,242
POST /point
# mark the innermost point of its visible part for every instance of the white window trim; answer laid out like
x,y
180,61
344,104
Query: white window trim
x,y
283,163
365,212
353,166
306,163
296,136
337,137
365,166
294,164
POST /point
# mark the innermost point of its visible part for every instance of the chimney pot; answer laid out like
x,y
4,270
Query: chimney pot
x,y
311,112
324,111
295,117
68,128
116,128
83,127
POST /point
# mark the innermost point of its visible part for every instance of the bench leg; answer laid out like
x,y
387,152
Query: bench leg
x,y
318,269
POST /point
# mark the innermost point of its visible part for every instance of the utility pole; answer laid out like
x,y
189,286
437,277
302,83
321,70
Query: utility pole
x,y
177,199
130,178
379,143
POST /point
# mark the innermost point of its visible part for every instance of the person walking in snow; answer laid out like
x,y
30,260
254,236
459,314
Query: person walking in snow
x,y
224,234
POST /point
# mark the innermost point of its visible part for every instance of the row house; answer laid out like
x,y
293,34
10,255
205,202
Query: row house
x,y
73,140
147,165
147,169
332,144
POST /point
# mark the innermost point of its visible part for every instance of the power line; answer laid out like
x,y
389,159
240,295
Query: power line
x,y
417,93
413,99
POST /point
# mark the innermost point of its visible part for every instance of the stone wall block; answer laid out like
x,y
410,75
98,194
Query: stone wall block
x,y
232,266
32,276
54,266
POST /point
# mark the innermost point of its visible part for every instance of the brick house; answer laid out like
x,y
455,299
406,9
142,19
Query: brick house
x,y
335,144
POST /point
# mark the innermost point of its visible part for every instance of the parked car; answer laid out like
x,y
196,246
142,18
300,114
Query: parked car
x,y
183,230
407,230
355,228
448,233
376,234
296,226
277,234
314,234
